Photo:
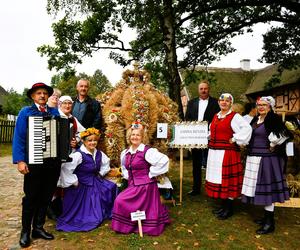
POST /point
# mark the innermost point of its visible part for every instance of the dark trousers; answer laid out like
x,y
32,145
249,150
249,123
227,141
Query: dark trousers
x,y
39,186
199,157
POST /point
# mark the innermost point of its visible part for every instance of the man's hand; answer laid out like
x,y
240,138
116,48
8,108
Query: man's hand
x,y
22,167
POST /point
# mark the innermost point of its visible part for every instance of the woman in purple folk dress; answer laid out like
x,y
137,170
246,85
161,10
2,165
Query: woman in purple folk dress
x,y
141,165
264,181
88,198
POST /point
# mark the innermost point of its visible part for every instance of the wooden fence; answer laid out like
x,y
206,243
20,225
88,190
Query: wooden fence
x,y
6,130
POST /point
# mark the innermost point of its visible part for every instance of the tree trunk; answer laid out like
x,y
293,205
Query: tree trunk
x,y
173,77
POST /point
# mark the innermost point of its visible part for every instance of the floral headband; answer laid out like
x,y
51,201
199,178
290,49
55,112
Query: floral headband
x,y
88,132
226,96
137,125
268,99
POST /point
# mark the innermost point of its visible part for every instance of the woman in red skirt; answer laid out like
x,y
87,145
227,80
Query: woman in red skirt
x,y
224,172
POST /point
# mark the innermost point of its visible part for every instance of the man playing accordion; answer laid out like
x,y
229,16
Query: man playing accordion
x,y
39,179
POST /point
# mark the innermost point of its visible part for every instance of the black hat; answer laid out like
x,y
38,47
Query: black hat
x,y
37,86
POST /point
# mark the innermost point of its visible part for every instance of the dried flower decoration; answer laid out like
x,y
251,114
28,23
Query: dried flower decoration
x,y
88,132
137,125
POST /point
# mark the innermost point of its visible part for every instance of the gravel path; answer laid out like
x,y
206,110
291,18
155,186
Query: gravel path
x,y
11,192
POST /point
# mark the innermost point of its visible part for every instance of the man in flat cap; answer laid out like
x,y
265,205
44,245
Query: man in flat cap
x,y
39,179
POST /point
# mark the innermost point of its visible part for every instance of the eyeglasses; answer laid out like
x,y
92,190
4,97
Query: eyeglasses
x,y
67,103
262,105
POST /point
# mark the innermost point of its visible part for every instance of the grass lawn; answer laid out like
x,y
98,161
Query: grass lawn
x,y
194,227
5,149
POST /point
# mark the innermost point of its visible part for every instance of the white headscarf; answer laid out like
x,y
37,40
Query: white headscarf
x,y
268,99
226,96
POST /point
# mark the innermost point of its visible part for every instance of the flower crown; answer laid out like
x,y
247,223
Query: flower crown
x,y
89,131
137,125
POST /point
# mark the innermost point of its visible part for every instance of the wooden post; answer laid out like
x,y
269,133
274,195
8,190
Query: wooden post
x,y
181,173
283,116
138,216
140,228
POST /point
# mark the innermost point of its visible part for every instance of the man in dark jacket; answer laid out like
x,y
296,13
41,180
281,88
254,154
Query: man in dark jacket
x,y
86,109
39,179
202,108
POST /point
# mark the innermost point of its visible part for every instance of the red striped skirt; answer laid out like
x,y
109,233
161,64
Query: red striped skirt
x,y
232,178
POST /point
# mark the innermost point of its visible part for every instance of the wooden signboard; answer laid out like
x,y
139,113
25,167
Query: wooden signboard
x,y
188,135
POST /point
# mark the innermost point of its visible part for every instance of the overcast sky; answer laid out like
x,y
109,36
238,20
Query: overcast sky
x,y
25,25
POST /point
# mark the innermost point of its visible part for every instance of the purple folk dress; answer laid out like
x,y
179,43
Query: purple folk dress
x,y
264,180
141,194
91,202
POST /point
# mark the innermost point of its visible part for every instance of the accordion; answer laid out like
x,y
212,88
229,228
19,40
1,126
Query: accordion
x,y
48,137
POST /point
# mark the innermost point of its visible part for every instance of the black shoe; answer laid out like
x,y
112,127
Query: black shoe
x,y
218,211
42,234
225,214
194,193
24,239
269,225
265,229
227,211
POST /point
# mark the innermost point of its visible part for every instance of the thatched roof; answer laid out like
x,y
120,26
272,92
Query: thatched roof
x,y
230,80
3,93
262,76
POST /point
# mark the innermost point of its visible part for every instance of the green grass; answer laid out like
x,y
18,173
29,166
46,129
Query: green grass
x,y
5,149
194,227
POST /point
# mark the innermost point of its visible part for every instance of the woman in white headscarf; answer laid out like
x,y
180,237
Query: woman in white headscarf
x,y
264,181
224,172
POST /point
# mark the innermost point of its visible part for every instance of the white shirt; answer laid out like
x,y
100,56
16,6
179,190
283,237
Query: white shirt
x,y
242,131
68,178
159,164
201,108
38,106
80,128
248,118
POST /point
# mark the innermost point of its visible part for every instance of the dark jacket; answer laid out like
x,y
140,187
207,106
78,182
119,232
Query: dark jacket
x,y
92,116
193,106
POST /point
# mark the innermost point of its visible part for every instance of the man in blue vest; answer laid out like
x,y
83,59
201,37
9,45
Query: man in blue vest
x,y
39,179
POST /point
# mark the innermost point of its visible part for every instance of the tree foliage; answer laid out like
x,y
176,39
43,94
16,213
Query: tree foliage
x,y
14,102
67,83
202,29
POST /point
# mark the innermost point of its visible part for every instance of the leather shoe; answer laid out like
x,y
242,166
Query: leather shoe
x,y
42,234
225,214
265,229
24,239
218,211
194,193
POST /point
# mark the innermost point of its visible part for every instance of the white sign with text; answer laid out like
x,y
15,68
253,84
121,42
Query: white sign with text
x,y
190,135
138,215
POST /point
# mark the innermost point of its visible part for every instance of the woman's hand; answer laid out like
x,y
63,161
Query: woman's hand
x,y
161,178
22,167
73,143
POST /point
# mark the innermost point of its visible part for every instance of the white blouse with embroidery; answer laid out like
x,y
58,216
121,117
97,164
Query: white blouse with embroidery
x,y
68,178
159,163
